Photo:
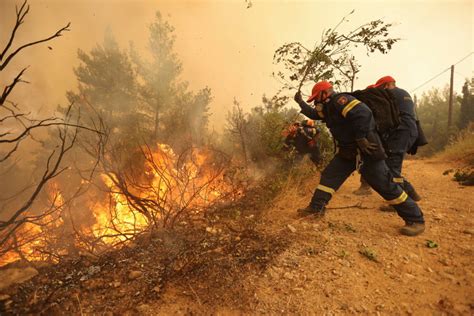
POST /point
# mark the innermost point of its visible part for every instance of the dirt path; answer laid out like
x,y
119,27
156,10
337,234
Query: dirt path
x,y
324,272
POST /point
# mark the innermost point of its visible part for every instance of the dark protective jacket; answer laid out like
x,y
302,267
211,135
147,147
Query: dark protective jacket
x,y
304,138
346,117
401,139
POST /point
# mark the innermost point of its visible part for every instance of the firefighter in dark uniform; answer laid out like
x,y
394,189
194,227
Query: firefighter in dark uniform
x,y
353,127
303,137
399,141
364,188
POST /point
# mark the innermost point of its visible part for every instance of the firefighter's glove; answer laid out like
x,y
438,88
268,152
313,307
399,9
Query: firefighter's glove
x,y
298,97
365,146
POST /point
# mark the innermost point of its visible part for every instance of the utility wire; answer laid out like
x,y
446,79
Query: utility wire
x,y
429,80
442,72
464,58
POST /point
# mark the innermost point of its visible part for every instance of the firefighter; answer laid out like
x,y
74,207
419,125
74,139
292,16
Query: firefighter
x,y
400,140
303,136
353,127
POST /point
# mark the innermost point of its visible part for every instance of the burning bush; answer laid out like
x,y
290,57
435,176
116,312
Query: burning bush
x,y
125,200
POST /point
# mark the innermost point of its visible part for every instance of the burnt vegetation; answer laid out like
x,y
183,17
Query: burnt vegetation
x,y
20,129
129,155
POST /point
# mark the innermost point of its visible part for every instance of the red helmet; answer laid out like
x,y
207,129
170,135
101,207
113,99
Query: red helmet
x,y
318,88
384,80
370,86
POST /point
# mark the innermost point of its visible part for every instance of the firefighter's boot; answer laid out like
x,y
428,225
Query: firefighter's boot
x,y
311,211
412,229
364,189
387,208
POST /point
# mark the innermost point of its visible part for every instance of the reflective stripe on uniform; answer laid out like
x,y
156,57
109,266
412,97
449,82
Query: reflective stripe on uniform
x,y
349,107
398,180
402,198
326,189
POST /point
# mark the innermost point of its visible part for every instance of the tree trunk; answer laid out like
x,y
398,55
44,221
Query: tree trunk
x,y
244,148
157,121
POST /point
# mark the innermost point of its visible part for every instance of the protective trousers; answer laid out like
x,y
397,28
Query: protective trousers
x,y
394,163
377,174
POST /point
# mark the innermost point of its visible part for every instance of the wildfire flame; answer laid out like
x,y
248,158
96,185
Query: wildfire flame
x,y
31,236
168,185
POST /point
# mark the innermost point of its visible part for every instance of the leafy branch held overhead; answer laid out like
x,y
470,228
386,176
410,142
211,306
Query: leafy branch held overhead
x,y
332,58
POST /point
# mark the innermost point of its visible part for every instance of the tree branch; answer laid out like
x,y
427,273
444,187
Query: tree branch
x,y
20,15
10,87
57,34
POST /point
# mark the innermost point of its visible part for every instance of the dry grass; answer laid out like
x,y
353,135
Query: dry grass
x,y
461,149
301,181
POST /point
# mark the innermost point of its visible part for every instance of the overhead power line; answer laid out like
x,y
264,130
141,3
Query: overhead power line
x,y
442,72
464,58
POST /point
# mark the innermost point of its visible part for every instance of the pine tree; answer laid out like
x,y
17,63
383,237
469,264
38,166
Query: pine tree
x,y
108,81
160,74
466,114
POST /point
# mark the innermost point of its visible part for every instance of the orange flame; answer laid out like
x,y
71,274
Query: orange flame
x,y
173,183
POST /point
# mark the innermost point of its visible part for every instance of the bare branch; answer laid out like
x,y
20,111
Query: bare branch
x,y
57,34
20,15
9,88
45,123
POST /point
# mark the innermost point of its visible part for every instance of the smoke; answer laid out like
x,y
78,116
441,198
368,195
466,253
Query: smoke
x,y
224,55
227,46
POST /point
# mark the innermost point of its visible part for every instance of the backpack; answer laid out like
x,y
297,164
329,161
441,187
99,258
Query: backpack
x,y
383,106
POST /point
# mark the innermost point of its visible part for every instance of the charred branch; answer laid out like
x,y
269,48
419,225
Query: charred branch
x,y
20,16
9,88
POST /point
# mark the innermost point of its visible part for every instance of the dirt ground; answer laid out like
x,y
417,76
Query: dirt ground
x,y
324,272
269,262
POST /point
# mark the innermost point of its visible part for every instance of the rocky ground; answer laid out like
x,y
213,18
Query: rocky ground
x,y
259,258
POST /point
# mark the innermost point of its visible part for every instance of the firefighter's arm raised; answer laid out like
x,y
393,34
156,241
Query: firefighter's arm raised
x,y
306,109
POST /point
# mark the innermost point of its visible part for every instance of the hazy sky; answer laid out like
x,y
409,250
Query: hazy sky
x,y
229,48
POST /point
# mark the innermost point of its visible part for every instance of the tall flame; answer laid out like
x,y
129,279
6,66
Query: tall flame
x,y
170,182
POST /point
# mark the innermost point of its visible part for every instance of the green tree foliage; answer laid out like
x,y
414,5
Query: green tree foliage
x,y
466,113
107,79
178,117
433,114
185,122
267,122
332,58
237,132
142,99
256,136
160,86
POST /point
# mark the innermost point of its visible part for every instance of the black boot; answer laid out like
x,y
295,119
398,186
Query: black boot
x,y
364,189
311,211
412,229
387,208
